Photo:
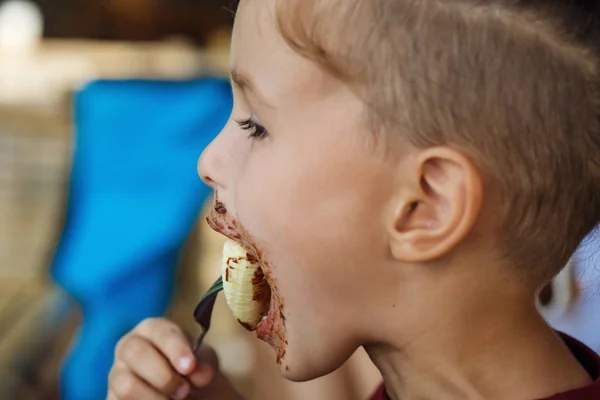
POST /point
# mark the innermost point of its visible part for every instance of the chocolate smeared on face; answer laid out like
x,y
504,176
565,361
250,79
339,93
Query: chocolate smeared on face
x,y
220,208
272,329
218,224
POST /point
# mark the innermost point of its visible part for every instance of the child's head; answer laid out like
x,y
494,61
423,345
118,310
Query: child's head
x,y
400,152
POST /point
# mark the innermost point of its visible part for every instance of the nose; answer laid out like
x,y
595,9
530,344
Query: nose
x,y
215,165
204,167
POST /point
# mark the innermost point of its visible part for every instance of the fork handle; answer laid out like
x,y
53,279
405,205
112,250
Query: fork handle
x,y
199,341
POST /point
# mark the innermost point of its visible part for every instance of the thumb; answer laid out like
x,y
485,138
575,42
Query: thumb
x,y
207,367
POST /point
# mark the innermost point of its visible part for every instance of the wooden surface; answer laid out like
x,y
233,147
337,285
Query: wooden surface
x,y
36,324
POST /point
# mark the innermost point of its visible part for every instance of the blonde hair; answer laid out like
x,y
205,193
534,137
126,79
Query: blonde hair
x,y
512,83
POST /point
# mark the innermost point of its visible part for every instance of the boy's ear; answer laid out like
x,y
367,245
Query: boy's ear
x,y
439,208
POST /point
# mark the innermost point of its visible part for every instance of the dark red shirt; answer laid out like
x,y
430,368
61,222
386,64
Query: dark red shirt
x,y
586,357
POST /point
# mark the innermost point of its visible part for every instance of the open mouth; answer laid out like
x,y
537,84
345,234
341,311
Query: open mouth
x,y
264,302
249,290
249,293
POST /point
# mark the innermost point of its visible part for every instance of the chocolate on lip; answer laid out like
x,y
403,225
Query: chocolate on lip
x,y
271,330
220,222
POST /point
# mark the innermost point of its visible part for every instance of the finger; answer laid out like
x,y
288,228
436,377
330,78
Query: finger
x,y
171,341
203,376
126,386
208,355
144,360
205,372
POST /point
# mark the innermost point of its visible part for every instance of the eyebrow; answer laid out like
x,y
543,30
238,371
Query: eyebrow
x,y
240,80
246,84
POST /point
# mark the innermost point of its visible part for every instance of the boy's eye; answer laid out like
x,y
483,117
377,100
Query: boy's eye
x,y
256,130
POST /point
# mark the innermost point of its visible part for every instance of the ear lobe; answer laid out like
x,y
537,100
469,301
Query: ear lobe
x,y
442,209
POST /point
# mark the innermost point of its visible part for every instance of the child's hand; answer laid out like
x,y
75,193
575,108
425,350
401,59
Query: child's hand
x,y
155,362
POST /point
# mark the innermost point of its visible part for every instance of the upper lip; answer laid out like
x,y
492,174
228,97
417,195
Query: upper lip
x,y
231,229
224,226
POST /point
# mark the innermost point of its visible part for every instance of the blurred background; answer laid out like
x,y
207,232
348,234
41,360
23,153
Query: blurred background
x,y
51,51
105,106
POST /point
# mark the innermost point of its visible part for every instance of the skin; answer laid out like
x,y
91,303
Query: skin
x,y
393,250
155,362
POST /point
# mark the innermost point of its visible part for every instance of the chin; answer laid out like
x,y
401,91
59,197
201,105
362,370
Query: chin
x,y
299,365
302,372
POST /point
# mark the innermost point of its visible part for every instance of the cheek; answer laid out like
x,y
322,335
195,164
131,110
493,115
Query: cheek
x,y
318,220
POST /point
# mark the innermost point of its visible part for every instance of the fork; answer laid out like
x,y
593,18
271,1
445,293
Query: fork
x,y
203,312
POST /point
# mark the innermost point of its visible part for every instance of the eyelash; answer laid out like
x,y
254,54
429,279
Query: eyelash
x,y
256,130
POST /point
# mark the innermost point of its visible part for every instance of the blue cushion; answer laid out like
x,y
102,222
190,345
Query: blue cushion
x,y
134,196
134,191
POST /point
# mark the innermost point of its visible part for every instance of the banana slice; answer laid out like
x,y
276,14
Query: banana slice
x,y
246,290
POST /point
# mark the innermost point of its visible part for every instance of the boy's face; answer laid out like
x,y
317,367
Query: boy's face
x,y
310,196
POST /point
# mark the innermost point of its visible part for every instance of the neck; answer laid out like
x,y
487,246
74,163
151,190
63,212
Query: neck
x,y
498,348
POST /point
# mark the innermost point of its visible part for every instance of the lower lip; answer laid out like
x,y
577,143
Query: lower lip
x,y
272,329
267,328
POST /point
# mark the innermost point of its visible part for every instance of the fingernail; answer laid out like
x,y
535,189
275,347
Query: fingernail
x,y
182,392
185,363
